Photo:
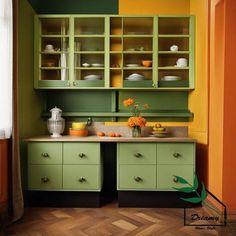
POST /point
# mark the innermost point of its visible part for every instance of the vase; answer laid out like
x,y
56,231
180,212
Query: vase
x,y
136,131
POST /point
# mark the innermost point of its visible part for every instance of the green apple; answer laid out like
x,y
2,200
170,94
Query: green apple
x,y
161,129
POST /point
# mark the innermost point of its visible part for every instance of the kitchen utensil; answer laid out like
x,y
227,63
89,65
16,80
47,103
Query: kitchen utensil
x,y
147,63
182,62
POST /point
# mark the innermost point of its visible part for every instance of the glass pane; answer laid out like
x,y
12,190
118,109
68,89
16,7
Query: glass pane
x,y
89,26
55,26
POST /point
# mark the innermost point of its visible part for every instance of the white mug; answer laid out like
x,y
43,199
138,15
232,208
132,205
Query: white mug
x,y
174,48
49,47
182,62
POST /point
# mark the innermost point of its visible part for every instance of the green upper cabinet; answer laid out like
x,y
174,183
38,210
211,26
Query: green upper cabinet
x,y
112,51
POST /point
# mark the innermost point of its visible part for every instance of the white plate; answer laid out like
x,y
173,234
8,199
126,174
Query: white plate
x,y
135,78
85,64
171,78
97,65
132,65
92,77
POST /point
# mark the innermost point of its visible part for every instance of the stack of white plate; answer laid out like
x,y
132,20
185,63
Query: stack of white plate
x,y
171,78
92,77
135,77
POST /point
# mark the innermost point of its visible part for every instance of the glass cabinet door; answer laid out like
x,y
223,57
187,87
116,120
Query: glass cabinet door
x,y
175,54
89,51
53,52
137,51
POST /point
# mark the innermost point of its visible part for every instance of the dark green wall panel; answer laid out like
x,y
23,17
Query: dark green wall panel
x,y
156,100
75,6
80,101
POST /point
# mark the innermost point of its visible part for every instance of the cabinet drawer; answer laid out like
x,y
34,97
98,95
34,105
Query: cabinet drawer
x,y
81,153
175,153
82,177
137,153
166,173
140,177
45,153
44,177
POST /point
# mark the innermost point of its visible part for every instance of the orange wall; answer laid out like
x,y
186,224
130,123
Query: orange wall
x,y
149,7
216,98
229,150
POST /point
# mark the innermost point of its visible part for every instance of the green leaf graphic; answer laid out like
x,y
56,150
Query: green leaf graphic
x,y
185,190
203,193
181,180
195,183
192,199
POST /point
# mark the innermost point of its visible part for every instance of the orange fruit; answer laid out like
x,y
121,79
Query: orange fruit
x,y
100,134
111,134
117,135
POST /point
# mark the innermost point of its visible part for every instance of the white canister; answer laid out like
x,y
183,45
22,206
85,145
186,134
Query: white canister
x,y
182,62
174,48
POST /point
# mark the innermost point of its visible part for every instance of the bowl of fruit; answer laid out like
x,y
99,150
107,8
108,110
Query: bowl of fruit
x,y
159,131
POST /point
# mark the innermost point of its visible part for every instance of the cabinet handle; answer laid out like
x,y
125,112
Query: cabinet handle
x,y
45,180
137,155
74,83
175,180
82,179
137,179
81,155
45,154
176,155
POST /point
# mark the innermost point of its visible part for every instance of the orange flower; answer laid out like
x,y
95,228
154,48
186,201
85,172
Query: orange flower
x,y
136,121
128,102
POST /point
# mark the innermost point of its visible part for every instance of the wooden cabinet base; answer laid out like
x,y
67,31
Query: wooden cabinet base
x,y
159,199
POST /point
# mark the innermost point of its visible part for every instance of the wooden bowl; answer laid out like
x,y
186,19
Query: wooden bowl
x,y
79,133
147,63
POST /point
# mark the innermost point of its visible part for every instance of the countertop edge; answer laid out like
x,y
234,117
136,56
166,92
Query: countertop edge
x,y
109,139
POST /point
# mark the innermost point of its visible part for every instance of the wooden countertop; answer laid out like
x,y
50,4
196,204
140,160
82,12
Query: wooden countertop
x,y
67,138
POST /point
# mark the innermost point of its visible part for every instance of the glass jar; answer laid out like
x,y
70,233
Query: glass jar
x,y
136,131
56,123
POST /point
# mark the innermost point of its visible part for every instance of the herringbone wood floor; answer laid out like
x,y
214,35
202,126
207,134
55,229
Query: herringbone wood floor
x,y
108,220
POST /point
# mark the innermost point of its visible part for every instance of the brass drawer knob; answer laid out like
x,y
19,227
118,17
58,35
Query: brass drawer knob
x,y
138,155
175,180
137,179
82,179
81,155
45,180
176,155
45,154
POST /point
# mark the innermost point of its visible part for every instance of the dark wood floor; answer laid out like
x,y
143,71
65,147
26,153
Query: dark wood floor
x,y
109,220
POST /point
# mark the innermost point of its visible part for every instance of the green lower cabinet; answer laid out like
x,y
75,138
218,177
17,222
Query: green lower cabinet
x,y
166,176
137,153
137,177
176,153
82,177
45,177
81,153
44,153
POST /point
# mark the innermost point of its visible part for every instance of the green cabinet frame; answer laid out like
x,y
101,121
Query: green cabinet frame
x,y
158,55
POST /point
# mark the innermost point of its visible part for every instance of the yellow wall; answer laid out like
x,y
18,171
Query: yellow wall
x,y
149,7
198,99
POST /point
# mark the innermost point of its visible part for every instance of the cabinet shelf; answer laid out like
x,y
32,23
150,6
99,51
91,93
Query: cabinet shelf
x,y
173,36
89,68
184,114
89,52
137,36
172,68
54,36
137,68
60,52
137,52
173,52
89,35
53,68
